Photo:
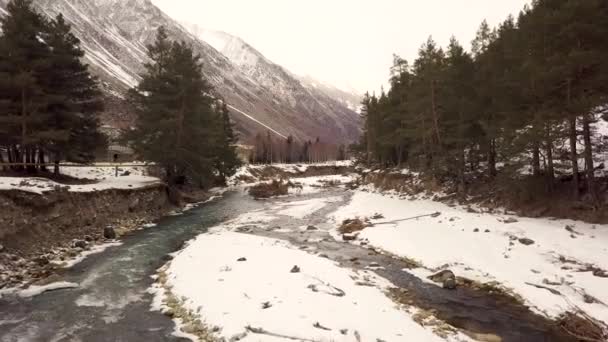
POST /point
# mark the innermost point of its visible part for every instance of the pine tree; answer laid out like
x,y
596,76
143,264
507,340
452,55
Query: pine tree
x,y
74,99
175,114
227,160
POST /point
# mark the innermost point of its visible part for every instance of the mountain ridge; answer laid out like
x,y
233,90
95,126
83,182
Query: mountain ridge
x,y
115,33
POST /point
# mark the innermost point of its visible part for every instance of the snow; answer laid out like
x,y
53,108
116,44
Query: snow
x,y
82,256
322,293
34,290
302,209
496,255
102,173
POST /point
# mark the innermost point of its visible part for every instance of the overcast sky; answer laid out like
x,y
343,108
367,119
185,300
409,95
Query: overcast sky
x,y
344,42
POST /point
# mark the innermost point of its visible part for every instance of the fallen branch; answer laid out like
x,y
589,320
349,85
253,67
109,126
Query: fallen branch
x,y
553,291
261,331
437,214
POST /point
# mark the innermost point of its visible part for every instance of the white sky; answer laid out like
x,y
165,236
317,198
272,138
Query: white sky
x,y
344,42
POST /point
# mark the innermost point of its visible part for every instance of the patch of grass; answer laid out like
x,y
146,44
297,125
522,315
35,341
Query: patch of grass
x,y
352,226
268,190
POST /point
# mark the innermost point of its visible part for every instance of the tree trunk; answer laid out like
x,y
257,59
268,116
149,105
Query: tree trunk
x,y
492,158
588,154
573,148
550,172
41,160
435,115
535,159
24,125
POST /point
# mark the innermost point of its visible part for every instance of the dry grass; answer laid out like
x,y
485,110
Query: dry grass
x,y
352,226
268,190
583,327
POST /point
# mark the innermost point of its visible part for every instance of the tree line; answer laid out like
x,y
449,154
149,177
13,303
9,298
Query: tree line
x,y
268,150
48,98
523,102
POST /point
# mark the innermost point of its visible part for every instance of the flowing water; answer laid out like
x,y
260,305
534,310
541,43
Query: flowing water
x,y
112,303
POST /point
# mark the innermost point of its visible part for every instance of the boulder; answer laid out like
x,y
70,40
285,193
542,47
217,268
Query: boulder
x,y
42,260
241,259
295,269
442,276
446,277
109,233
349,237
449,284
311,228
526,241
79,244
476,230
510,220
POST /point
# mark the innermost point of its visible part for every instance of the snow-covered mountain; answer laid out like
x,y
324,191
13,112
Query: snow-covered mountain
x,y
347,96
115,33
304,93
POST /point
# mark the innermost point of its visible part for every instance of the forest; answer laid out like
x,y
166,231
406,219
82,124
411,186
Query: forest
x,y
50,103
523,104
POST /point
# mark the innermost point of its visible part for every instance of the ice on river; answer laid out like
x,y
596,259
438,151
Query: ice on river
x,y
321,302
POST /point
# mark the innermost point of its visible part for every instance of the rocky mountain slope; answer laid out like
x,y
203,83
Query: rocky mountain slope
x,y
303,93
115,33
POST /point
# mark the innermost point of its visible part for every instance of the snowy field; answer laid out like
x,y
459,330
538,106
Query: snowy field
x,y
132,177
567,259
261,289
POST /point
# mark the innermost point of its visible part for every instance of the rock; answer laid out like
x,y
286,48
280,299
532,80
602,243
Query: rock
x,y
349,237
42,260
134,204
487,230
109,233
325,256
449,284
526,241
1,248
88,238
442,276
295,269
266,305
476,230
472,211
344,331
510,220
311,228
242,259
125,174
600,273
79,244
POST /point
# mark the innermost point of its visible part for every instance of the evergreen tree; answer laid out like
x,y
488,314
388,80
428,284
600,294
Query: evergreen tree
x,y
74,99
227,160
175,114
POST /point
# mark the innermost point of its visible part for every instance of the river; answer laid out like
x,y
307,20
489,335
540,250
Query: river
x,y
111,302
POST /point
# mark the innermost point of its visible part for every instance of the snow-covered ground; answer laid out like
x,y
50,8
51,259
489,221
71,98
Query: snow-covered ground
x,y
263,298
247,171
561,256
131,177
